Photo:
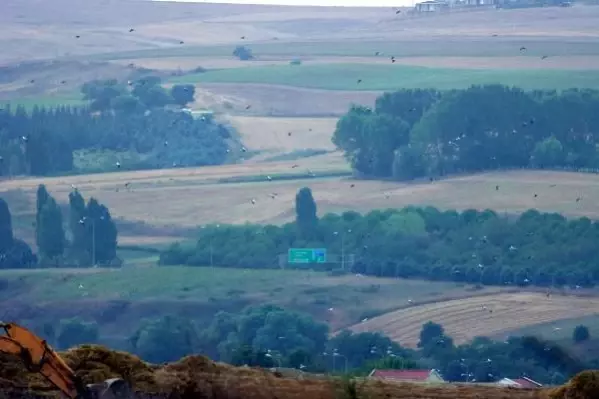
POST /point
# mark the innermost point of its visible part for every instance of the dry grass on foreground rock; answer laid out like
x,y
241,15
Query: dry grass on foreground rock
x,y
198,377
583,386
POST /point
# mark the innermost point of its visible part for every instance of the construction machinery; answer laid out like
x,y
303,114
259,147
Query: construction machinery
x,y
39,357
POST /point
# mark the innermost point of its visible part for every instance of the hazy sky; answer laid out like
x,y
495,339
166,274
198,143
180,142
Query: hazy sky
x,y
346,3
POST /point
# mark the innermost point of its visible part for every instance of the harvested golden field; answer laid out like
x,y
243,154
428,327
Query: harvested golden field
x,y
193,196
491,315
273,136
165,177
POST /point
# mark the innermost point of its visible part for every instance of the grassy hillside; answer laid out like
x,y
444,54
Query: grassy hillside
x,y
389,77
340,301
120,298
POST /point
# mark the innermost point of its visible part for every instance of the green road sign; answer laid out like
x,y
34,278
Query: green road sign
x,y
307,255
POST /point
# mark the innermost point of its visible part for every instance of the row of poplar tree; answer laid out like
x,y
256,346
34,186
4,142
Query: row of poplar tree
x,y
90,236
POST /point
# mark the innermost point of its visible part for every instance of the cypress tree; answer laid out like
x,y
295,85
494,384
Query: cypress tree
x,y
41,199
305,211
76,228
50,233
101,233
6,236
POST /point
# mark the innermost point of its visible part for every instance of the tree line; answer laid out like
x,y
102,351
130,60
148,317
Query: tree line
x,y
428,133
270,336
14,252
133,124
140,95
89,239
541,249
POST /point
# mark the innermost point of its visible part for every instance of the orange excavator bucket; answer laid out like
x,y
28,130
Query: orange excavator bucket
x,y
39,357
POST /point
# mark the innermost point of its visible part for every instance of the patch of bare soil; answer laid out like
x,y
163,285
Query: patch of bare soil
x,y
274,100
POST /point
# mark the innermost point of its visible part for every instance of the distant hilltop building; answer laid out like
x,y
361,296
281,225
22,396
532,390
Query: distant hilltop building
x,y
431,6
425,376
444,5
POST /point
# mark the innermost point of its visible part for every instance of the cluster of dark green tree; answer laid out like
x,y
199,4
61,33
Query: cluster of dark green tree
x,y
43,141
270,336
472,246
69,333
13,251
89,239
135,96
244,53
428,133
486,360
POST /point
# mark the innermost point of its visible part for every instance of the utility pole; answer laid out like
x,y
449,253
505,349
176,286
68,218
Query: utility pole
x,y
93,224
342,247
211,244
343,251
93,242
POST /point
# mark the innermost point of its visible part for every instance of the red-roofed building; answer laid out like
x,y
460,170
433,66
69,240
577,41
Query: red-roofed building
x,y
431,376
522,382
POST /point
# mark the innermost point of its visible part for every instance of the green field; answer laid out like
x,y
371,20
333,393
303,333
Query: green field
x,y
46,100
350,297
202,283
453,47
374,77
389,77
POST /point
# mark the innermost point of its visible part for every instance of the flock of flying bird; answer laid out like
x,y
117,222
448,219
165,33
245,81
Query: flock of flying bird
x,y
244,149
377,53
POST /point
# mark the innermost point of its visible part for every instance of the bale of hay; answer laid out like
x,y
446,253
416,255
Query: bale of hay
x,y
584,385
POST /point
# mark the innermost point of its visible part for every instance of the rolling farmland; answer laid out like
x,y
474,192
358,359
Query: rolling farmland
x,y
168,197
491,315
336,48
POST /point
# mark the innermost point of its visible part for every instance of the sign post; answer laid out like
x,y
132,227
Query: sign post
x,y
307,255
